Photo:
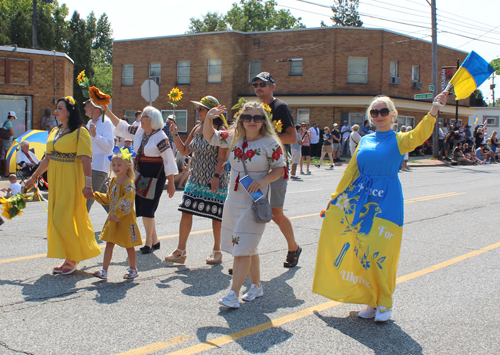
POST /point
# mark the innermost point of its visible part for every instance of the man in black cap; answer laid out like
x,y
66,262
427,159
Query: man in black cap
x,y
264,88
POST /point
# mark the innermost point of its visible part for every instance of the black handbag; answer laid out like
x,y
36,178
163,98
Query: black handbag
x,y
5,132
261,208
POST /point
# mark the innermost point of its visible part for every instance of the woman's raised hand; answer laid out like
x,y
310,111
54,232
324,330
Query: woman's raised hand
x,y
439,101
173,127
216,112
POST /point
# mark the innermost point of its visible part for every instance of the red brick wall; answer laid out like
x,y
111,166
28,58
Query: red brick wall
x,y
42,88
324,51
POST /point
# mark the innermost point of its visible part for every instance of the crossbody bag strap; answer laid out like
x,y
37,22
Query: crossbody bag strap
x,y
140,151
243,160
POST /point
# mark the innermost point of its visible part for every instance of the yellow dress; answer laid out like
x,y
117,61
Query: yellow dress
x,y
69,232
120,198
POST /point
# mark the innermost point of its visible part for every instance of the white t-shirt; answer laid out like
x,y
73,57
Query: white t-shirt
x,y
15,188
314,135
136,123
345,131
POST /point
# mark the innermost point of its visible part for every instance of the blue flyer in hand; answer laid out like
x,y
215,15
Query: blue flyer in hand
x,y
246,181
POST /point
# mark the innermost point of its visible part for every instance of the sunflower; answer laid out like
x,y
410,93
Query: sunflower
x,y
266,107
81,77
278,126
98,97
175,94
71,100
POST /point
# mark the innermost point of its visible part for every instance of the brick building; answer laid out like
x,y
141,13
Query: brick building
x,y
31,81
326,74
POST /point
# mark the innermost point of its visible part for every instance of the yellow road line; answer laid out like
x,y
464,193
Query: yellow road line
x,y
102,246
226,339
157,346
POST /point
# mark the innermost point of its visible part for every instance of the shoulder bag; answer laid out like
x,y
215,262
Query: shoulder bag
x,y
261,208
145,187
5,132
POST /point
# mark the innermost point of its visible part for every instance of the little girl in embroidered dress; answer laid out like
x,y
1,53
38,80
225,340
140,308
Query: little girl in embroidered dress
x,y
121,225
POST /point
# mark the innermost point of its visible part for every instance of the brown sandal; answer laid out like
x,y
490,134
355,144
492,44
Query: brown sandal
x,y
292,258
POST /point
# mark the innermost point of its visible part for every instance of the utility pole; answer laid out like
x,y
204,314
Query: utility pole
x,y
492,87
435,136
35,24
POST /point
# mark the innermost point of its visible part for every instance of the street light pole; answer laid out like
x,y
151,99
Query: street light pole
x,y
435,136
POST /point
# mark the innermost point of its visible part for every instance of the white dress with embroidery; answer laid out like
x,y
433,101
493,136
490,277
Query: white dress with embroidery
x,y
240,233
120,198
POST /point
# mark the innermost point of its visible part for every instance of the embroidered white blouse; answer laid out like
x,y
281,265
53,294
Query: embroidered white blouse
x,y
157,146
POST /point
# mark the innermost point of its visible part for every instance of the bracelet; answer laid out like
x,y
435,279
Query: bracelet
x,y
175,135
88,181
216,176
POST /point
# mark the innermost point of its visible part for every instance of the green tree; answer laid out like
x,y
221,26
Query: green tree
x,y
477,99
21,29
211,22
345,13
495,63
80,51
247,16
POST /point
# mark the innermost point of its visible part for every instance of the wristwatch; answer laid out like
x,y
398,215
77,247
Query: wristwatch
x,y
217,176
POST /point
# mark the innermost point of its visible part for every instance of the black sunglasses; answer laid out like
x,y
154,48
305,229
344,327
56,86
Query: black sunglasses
x,y
261,84
383,112
248,118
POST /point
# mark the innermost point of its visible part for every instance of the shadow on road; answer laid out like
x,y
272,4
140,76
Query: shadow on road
x,y
382,338
277,294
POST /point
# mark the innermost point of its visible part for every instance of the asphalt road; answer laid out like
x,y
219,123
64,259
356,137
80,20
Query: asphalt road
x,y
447,300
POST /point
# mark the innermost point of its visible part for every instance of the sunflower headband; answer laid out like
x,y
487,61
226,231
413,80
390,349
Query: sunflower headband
x,y
126,153
71,100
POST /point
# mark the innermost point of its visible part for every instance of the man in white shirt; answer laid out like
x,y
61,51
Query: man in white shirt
x,y
314,143
102,147
346,132
27,161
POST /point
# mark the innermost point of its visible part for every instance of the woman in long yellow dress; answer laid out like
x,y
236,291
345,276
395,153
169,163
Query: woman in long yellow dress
x,y
70,235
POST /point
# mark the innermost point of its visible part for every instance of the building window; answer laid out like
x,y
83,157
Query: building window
x,y
155,69
415,73
491,120
214,71
357,71
183,72
356,118
296,66
406,121
303,115
394,69
254,69
130,115
128,74
180,119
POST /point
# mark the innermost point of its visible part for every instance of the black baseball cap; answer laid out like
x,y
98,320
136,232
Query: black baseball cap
x,y
264,76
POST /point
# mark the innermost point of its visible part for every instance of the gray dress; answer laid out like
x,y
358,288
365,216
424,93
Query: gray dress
x,y
240,233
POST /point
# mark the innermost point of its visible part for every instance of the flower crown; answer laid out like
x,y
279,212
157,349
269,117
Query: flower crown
x,y
71,100
126,153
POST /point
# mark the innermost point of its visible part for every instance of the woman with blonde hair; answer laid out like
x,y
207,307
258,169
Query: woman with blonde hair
x,y
255,148
360,240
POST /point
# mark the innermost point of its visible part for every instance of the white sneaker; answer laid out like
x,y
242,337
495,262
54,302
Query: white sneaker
x,y
367,313
383,316
253,292
230,300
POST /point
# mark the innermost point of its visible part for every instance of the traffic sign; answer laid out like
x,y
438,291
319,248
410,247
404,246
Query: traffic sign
x,y
423,96
150,90
431,87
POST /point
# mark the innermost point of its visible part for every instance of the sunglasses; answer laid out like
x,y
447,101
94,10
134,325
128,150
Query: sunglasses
x,y
249,118
199,108
262,84
383,112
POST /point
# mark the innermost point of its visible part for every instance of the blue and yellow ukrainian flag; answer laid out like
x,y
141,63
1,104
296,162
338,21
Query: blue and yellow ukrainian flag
x,y
473,72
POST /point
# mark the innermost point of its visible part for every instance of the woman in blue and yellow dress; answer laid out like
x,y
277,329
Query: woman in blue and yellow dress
x,y
70,235
360,240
